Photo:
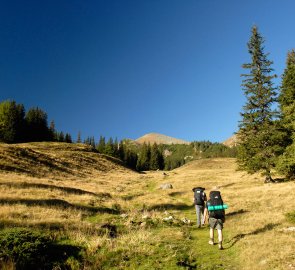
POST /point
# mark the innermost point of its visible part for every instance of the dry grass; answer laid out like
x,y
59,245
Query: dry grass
x,y
64,201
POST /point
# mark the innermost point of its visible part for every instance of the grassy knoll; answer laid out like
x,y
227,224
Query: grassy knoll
x,y
104,216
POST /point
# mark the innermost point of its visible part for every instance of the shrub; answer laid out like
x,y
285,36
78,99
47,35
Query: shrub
x,y
25,248
28,249
291,217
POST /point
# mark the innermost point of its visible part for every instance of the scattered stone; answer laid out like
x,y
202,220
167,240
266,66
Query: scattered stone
x,y
170,218
143,224
186,221
289,229
123,215
263,262
119,189
145,217
166,186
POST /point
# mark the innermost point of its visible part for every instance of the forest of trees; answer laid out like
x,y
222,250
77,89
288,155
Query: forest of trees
x,y
267,129
17,125
158,157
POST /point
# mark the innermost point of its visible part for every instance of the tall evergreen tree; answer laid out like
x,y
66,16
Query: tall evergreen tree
x,y
79,137
258,134
101,144
68,138
143,161
157,159
11,122
130,158
286,162
37,129
61,137
109,148
52,131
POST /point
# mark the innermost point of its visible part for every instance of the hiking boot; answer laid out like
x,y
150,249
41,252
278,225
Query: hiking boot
x,y
211,242
220,246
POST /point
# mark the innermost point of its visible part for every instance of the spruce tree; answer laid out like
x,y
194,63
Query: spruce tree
x,y
37,129
79,140
52,131
109,147
101,145
286,163
259,138
157,160
61,137
11,122
143,161
68,138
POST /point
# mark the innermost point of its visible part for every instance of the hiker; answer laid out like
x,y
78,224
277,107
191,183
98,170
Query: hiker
x,y
216,217
199,201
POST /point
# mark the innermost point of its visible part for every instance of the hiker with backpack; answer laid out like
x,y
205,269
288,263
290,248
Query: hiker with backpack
x,y
216,216
199,201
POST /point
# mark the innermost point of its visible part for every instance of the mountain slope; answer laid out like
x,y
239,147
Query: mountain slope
x,y
152,138
231,141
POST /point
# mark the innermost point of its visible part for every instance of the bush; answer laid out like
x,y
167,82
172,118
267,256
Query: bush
x,y
25,248
291,217
28,249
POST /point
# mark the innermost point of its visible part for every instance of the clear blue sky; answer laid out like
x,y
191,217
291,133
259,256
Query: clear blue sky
x,y
125,68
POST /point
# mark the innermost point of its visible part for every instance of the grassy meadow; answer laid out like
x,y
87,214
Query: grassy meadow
x,y
97,214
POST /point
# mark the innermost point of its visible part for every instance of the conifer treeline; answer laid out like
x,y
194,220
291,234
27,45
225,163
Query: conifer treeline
x,y
158,157
267,132
17,125
142,158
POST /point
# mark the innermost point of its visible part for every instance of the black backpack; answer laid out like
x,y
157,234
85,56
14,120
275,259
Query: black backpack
x,y
215,199
199,196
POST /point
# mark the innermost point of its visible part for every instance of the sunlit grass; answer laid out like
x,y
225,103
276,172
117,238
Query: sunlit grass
x,y
80,209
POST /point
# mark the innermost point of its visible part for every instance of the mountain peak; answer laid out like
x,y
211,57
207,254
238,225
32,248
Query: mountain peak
x,y
157,138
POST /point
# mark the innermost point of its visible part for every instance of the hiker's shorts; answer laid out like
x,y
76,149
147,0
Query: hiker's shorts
x,y
216,223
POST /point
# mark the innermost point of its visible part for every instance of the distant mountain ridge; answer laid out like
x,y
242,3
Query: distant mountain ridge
x,y
157,138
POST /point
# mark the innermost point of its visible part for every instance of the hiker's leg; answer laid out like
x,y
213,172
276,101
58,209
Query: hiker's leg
x,y
212,234
211,240
202,216
220,238
198,212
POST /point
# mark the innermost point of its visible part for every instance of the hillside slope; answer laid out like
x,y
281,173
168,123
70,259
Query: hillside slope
x,y
124,220
231,141
157,138
56,160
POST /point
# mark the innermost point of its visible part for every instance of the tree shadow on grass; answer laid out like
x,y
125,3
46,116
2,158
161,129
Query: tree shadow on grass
x,y
89,229
59,204
52,226
176,193
54,187
282,180
235,213
170,206
238,237
227,185
131,197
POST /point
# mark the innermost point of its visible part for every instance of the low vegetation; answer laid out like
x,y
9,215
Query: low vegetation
x,y
105,216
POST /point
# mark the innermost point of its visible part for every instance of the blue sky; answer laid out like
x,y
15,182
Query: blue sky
x,y
126,68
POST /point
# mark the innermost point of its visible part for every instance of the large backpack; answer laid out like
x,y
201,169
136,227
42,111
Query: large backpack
x,y
199,196
215,199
